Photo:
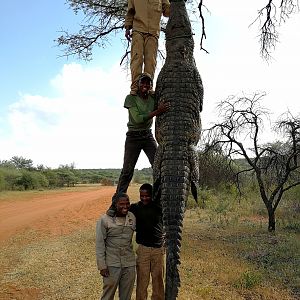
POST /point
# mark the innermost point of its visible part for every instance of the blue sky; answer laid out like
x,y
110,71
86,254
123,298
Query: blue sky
x,y
28,55
58,111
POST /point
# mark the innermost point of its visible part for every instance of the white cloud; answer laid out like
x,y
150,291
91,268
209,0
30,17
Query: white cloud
x,y
85,124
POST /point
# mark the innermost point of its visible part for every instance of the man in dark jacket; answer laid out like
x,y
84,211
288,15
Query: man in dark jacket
x,y
150,252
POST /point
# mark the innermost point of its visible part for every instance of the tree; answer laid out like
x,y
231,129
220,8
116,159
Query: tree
x,y
6,164
30,180
103,19
22,163
70,166
276,166
66,175
2,181
10,176
52,177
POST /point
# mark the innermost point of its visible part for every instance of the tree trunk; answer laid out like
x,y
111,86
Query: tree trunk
x,y
271,214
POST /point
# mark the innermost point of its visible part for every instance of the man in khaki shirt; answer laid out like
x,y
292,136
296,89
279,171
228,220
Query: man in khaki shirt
x,y
142,24
114,252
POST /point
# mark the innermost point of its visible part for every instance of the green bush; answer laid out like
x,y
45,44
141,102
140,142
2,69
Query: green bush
x,y
2,181
66,177
288,211
107,182
30,180
52,178
10,176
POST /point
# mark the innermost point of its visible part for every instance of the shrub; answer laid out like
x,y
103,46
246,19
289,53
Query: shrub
x,y
52,178
249,280
10,176
30,180
107,182
2,181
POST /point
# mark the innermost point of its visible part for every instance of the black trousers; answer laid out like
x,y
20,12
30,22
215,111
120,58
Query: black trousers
x,y
136,141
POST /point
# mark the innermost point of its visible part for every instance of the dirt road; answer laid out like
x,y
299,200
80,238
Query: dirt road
x,y
56,213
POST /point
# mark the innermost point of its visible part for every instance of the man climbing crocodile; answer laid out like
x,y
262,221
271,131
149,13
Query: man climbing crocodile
x,y
141,111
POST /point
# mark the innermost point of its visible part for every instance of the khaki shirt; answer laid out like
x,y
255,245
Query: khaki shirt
x,y
114,241
144,15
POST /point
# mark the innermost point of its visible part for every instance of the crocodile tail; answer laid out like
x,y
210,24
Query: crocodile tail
x,y
175,184
173,218
175,171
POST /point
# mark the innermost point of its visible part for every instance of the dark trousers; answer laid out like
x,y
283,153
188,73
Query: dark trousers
x,y
136,141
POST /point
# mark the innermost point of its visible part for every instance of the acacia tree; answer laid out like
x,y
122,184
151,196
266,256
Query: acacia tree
x,y
275,166
103,19
22,163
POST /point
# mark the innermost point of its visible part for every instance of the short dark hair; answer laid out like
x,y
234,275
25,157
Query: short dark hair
x,y
121,195
147,187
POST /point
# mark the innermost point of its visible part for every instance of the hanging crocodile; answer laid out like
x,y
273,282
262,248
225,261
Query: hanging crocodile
x,y
177,131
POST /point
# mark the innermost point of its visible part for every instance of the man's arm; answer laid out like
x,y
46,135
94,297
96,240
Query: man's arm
x,y
133,208
129,19
141,118
101,234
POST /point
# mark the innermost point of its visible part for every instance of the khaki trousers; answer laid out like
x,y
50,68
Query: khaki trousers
x,y
150,261
122,278
143,51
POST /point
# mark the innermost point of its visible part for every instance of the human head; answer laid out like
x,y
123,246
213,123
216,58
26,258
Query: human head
x,y
145,80
122,204
146,193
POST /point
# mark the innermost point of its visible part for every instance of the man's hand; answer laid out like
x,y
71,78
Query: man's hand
x,y
104,273
128,35
163,107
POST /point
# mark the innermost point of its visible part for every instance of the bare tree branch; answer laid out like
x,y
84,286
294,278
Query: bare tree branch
x,y
203,34
101,19
270,18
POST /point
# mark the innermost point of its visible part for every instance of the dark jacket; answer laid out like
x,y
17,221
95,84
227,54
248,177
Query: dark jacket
x,y
149,228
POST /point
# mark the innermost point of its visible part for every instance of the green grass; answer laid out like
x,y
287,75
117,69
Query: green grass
x,y
238,260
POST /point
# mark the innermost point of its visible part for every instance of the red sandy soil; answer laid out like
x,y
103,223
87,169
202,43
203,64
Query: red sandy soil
x,y
53,214
49,214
